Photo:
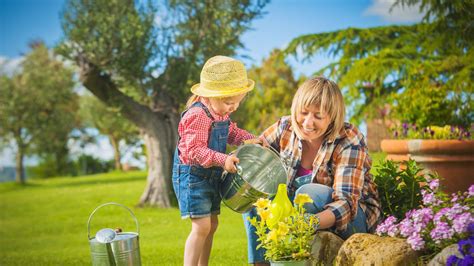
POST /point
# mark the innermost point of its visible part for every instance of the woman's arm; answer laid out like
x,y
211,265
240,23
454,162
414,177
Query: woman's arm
x,y
327,219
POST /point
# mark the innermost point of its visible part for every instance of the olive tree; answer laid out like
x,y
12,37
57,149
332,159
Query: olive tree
x,y
141,59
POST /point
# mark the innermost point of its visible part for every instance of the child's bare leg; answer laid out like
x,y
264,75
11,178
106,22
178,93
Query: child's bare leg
x,y
196,240
206,252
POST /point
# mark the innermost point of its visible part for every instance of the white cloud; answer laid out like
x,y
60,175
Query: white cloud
x,y
9,66
381,8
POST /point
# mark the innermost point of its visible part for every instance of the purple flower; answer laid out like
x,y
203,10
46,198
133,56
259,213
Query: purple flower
x,y
406,227
471,191
428,198
461,222
452,260
388,227
416,242
434,184
441,231
454,198
466,247
470,229
423,216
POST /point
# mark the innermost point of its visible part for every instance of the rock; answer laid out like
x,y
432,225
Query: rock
x,y
368,249
442,257
325,247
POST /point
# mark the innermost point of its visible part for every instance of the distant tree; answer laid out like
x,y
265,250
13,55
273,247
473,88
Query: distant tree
x,y
272,96
142,60
38,107
109,122
424,71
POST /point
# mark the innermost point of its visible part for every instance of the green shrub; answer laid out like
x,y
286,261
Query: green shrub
x,y
87,165
399,189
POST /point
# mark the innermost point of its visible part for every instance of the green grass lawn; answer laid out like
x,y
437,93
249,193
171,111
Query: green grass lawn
x,y
44,222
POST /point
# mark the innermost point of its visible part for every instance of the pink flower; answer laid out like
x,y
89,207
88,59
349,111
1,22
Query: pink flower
x,y
462,221
429,198
416,242
441,231
434,184
387,226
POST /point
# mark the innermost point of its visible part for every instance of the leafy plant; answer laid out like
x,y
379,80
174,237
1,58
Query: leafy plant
x,y
423,71
399,189
287,239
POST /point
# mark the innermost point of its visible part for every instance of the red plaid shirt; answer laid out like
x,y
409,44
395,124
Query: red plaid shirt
x,y
343,164
194,129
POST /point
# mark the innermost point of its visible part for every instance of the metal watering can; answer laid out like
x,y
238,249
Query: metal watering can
x,y
259,173
111,248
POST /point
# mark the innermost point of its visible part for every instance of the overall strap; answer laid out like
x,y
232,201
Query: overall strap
x,y
199,104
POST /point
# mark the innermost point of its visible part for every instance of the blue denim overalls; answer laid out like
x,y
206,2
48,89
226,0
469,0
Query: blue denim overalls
x,y
196,187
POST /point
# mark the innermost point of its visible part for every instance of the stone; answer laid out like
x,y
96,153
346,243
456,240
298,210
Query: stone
x,y
442,257
369,249
325,247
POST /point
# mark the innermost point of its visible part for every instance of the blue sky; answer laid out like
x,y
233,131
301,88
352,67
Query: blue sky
x,y
24,20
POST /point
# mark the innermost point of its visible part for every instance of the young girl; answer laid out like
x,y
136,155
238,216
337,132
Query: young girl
x,y
204,131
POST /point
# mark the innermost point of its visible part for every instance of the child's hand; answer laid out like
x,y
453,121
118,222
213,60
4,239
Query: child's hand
x,y
230,162
253,141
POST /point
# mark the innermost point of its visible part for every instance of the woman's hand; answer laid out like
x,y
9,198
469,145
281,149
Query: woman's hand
x,y
253,141
230,162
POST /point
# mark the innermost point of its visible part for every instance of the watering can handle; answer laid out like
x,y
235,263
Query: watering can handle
x,y
105,204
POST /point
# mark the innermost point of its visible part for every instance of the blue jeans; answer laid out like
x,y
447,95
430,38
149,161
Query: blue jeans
x,y
321,196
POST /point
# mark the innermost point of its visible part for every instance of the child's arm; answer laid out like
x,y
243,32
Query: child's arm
x,y
238,135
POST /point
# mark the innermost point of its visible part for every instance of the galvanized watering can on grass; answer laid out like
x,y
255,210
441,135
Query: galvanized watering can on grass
x,y
259,173
111,248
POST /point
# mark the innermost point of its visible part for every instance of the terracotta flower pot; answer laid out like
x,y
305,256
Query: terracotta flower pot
x,y
451,159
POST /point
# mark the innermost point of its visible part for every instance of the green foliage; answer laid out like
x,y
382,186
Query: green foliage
x,y
38,106
152,48
88,164
114,35
423,71
272,96
399,189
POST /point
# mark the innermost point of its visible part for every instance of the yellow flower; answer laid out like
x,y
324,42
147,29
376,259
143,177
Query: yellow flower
x,y
272,235
282,229
264,214
253,221
301,199
262,203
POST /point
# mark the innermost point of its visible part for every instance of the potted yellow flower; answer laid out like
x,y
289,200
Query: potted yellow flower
x,y
285,233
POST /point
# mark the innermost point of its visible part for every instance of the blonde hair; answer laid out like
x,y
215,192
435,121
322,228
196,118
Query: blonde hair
x,y
324,93
195,98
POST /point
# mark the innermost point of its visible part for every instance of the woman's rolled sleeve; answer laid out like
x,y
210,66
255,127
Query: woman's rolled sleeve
x,y
348,184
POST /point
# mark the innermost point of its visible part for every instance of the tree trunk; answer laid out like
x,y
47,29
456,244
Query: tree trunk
x,y
158,127
117,156
157,188
19,173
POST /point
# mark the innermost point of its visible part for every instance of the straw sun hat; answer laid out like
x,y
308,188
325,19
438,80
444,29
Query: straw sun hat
x,y
223,76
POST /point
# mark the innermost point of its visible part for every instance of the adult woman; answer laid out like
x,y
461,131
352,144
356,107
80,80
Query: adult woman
x,y
327,159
